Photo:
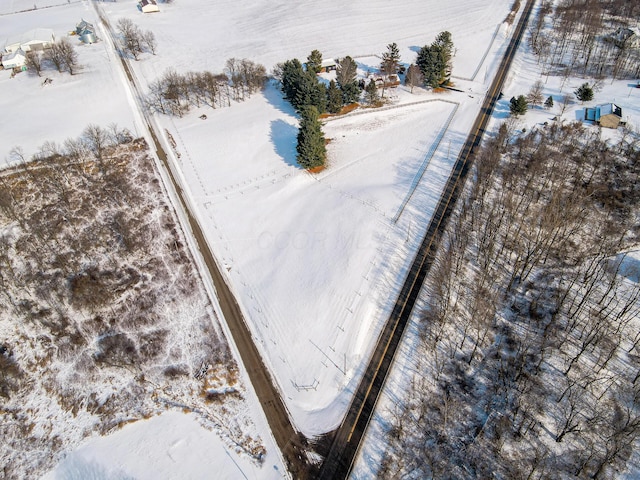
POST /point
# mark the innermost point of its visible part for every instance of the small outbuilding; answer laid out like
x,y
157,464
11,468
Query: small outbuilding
x,y
87,36
328,65
608,115
148,6
84,25
16,59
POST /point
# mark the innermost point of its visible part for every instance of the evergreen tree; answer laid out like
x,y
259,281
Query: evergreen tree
x,y
430,65
518,106
334,98
310,91
302,87
314,62
371,92
346,71
435,60
350,93
292,73
444,45
548,104
584,93
311,147
390,60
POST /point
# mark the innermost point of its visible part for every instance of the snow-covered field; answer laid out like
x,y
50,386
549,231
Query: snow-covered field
x,y
170,446
316,260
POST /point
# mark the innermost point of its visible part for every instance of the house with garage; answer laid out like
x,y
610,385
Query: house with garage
x,y
608,115
148,6
14,60
37,39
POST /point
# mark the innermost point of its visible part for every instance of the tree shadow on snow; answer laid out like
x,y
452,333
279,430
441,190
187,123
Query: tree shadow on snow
x,y
283,136
273,94
501,109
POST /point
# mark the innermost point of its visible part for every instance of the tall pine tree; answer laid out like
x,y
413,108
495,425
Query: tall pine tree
x,y
334,98
371,92
346,78
314,61
292,73
310,91
311,147
435,60
390,60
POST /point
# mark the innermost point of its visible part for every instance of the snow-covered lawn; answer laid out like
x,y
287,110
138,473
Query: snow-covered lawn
x,y
170,446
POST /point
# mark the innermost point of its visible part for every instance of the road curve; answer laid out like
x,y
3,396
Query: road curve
x,y
344,448
289,440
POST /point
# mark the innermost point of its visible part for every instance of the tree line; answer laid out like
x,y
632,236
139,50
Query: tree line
x,y
175,93
302,87
518,105
134,40
529,351
62,56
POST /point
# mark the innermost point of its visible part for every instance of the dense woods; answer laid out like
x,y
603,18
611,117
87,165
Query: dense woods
x,y
529,355
586,37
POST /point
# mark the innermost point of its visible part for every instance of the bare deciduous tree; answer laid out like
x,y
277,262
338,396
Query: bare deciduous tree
x,y
414,77
34,61
535,96
131,37
68,54
149,40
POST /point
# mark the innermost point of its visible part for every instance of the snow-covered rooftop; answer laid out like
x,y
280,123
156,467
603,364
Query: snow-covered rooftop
x,y
37,35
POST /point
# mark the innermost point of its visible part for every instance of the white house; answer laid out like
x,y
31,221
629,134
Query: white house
x,y
148,6
37,39
15,59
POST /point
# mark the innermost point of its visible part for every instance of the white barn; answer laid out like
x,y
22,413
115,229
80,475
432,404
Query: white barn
x,y
15,59
148,6
37,39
